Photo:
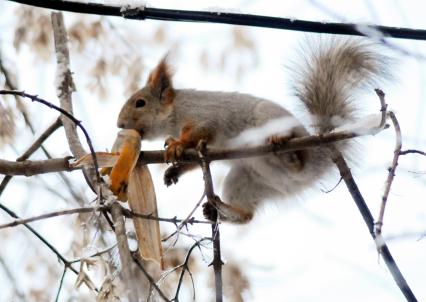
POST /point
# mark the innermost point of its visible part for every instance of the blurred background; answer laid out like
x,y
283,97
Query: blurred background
x,y
315,247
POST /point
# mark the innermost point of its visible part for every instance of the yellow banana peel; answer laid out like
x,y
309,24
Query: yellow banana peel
x,y
132,182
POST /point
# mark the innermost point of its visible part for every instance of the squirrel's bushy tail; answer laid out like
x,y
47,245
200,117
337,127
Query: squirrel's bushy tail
x,y
331,73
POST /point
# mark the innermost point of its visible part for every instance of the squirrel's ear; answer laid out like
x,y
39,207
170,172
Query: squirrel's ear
x,y
160,81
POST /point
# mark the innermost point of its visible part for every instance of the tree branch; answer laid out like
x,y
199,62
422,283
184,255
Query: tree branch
x,y
185,268
34,146
65,85
190,155
61,282
34,167
143,13
391,173
137,259
369,221
124,251
54,214
412,151
208,188
101,208
35,98
17,291
47,243
65,88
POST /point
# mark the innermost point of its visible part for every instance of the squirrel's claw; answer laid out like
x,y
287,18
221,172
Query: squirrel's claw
x,y
294,160
174,150
169,141
278,139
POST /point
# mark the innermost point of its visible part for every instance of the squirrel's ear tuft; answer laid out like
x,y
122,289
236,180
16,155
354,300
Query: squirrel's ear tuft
x,y
160,81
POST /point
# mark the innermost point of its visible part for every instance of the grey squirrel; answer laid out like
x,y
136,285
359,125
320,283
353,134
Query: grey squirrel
x,y
326,80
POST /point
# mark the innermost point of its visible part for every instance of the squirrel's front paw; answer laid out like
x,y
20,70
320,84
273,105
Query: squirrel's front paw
x,y
174,150
171,175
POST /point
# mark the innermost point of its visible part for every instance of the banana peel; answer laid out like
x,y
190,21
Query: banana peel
x,y
128,145
132,182
142,200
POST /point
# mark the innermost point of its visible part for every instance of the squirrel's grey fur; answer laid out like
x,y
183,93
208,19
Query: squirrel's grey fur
x,y
326,80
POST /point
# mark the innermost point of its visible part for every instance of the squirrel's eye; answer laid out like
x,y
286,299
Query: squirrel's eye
x,y
140,103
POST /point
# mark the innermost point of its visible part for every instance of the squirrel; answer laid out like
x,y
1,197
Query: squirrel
x,y
326,80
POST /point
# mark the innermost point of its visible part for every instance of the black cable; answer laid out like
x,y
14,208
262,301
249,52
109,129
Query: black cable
x,y
144,13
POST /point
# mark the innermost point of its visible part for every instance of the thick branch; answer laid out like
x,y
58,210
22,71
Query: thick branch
x,y
34,167
144,12
124,251
65,85
65,88
191,155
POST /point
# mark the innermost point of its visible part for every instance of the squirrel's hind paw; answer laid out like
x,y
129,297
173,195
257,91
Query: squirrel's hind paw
x,y
294,160
226,212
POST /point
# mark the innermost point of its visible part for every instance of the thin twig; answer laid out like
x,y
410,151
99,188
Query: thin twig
x,y
137,260
412,151
108,249
189,219
185,267
383,108
35,98
131,214
391,173
209,191
60,284
10,84
54,214
12,279
37,234
34,146
369,221
100,208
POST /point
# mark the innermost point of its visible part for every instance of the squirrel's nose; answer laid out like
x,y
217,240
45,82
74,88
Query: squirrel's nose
x,y
121,124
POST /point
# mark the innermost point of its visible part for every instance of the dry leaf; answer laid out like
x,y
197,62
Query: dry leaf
x,y
107,291
83,277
